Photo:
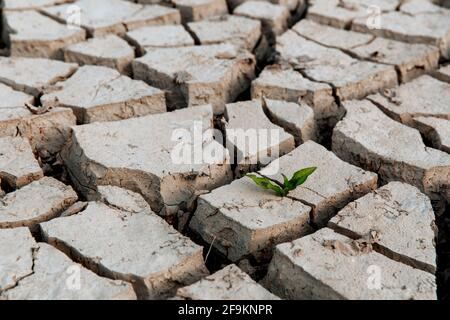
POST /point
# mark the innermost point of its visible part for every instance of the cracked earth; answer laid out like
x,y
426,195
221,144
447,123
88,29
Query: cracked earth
x,y
92,205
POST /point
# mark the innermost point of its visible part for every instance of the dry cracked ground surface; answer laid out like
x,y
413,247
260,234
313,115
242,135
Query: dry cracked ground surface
x,y
91,92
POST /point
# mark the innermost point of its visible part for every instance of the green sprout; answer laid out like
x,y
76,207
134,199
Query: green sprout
x,y
282,189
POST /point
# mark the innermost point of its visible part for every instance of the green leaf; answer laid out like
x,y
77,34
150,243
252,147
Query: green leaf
x,y
286,185
300,177
286,180
297,179
265,183
278,190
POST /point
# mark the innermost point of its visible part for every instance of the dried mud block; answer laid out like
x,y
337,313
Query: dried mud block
x,y
107,96
165,169
31,34
148,38
292,5
341,13
33,76
196,10
162,2
252,138
197,75
117,16
331,37
424,96
51,281
229,283
242,220
417,21
240,31
443,73
410,60
10,5
123,199
413,21
332,186
16,249
109,51
350,78
140,248
18,166
413,7
37,271
74,209
435,130
327,265
12,98
46,132
368,138
39,201
280,82
274,18
399,222
296,118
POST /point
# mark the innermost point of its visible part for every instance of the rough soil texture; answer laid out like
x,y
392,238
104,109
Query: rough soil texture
x,y
127,129
249,117
146,166
385,216
19,5
33,271
196,75
274,18
377,148
196,10
33,76
149,38
32,34
245,220
116,17
138,247
107,96
39,201
240,31
230,283
110,51
409,59
18,167
327,265
443,73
